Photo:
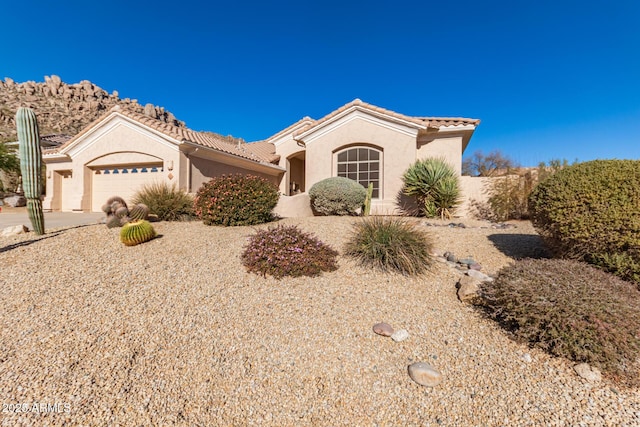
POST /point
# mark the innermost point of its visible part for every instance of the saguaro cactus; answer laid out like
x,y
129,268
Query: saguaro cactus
x,y
31,165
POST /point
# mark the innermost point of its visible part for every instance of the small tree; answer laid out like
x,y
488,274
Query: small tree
x,y
9,163
8,160
435,185
493,164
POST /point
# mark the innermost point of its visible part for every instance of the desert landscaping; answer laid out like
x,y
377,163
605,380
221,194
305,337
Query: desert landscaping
x,y
176,332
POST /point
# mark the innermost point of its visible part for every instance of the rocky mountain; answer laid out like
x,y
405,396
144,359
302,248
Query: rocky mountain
x,y
64,108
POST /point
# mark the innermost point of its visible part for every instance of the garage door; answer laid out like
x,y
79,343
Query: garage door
x,y
121,181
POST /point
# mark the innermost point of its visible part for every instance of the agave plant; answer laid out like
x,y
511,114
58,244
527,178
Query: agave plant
x,y
434,183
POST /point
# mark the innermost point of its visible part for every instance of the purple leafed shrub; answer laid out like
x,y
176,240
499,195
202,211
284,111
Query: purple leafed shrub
x,y
572,310
287,251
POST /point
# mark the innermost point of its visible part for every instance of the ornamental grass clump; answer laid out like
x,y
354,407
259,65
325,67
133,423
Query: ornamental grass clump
x,y
287,251
166,201
236,200
390,244
337,196
591,212
570,309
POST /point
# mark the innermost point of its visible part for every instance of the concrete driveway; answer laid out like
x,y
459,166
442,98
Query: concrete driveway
x,y
10,217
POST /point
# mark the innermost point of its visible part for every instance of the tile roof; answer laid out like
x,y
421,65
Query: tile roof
x,y
55,139
305,119
421,122
233,146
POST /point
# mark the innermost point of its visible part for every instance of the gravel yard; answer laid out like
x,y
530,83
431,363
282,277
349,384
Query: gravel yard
x,y
176,332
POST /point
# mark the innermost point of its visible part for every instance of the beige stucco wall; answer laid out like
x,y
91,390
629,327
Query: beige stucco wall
x,y
398,153
473,188
441,145
202,170
99,147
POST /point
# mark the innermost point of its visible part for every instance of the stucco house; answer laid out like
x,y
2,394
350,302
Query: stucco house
x,y
123,150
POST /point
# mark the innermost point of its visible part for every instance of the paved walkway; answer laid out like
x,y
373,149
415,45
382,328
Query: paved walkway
x,y
10,217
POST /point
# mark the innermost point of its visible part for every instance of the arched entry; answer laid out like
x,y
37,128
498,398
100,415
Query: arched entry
x,y
296,173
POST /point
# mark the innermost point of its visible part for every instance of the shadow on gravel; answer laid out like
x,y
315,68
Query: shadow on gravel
x,y
28,242
47,235
520,246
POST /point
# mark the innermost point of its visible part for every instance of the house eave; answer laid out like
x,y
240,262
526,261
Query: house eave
x,y
192,149
358,112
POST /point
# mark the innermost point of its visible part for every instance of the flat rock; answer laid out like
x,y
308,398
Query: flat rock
x,y
16,229
588,372
383,329
425,374
480,276
400,335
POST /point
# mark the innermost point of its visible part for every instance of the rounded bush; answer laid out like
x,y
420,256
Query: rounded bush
x,y
337,196
572,310
591,211
236,200
435,185
390,244
287,251
165,201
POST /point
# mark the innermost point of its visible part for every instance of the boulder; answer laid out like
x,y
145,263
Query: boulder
x,y
468,290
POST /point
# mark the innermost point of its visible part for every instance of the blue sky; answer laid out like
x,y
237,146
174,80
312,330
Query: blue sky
x,y
548,79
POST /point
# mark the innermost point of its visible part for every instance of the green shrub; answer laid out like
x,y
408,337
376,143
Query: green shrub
x,y
390,244
591,211
287,251
337,196
238,199
165,201
435,185
570,309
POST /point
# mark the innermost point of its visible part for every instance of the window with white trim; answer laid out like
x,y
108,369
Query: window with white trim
x,y
361,164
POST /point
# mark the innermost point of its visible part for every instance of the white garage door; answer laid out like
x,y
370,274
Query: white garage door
x,y
121,181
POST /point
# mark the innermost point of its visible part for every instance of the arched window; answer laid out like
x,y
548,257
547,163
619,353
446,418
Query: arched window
x,y
361,164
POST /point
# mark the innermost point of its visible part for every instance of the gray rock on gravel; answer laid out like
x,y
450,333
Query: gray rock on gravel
x,y
383,329
425,374
480,276
16,201
16,229
400,335
588,372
